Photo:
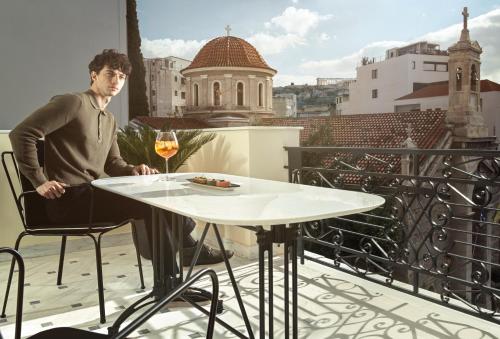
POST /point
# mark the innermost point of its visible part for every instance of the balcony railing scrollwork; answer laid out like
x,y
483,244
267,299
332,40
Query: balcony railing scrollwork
x,y
439,229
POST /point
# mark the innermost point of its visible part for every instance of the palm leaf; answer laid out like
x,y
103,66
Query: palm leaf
x,y
137,146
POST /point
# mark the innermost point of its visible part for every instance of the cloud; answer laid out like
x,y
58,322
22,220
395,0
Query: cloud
x,y
324,37
345,67
298,20
287,30
268,44
161,48
483,28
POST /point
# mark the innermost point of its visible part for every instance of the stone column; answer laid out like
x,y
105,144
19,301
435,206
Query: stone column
x,y
252,96
227,92
204,91
189,100
268,94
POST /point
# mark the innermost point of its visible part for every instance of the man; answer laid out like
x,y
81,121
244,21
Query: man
x,y
80,146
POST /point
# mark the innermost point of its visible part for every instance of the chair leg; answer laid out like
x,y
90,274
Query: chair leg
x,y
139,262
11,272
100,285
61,260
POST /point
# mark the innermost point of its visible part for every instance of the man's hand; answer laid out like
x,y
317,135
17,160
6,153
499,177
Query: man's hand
x,y
51,189
144,170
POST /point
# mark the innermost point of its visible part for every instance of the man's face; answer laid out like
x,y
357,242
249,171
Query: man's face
x,y
108,82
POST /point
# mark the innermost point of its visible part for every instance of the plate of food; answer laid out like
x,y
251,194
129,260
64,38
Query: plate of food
x,y
219,184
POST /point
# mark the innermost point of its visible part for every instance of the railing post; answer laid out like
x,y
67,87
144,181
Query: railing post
x,y
294,160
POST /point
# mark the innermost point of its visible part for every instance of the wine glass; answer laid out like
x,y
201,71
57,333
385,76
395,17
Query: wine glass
x,y
166,146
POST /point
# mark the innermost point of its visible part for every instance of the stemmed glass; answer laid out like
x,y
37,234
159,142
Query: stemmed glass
x,y
166,146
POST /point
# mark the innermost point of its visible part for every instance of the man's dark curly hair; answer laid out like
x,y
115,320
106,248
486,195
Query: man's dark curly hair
x,y
113,59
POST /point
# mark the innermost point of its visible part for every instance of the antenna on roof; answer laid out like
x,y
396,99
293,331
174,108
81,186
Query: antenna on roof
x,y
228,29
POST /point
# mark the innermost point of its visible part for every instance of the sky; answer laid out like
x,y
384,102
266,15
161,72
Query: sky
x,y
306,39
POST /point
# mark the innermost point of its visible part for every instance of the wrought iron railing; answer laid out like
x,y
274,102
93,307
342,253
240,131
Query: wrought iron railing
x,y
439,229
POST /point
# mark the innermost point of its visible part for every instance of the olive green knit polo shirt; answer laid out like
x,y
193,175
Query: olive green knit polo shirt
x,y
80,142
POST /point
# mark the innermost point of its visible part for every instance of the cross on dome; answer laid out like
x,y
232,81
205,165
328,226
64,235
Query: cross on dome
x,y
228,29
465,13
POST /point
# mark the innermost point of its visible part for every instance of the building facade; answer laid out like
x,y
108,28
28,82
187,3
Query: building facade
x,y
165,86
228,83
285,105
379,83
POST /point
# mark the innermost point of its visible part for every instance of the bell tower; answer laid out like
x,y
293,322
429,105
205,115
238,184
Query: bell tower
x,y
464,67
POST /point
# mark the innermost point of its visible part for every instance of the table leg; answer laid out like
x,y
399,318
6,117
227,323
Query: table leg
x,y
233,282
290,240
271,291
287,288
294,233
262,241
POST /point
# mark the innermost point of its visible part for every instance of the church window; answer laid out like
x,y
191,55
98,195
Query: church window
x,y
261,88
374,93
239,94
216,94
458,79
195,95
473,78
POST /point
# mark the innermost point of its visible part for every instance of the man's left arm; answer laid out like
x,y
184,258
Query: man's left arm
x,y
115,165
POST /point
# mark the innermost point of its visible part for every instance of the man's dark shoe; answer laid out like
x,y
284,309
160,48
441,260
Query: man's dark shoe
x,y
208,255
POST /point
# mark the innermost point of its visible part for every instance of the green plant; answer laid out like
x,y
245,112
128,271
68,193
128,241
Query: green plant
x,y
137,147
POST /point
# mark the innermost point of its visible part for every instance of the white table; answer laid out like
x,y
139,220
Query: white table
x,y
262,205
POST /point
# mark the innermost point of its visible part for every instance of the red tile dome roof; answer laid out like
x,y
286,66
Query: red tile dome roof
x,y
228,51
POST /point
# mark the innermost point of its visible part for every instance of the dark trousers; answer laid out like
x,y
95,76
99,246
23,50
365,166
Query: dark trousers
x,y
73,208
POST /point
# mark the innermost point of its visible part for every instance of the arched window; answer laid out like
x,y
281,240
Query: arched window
x,y
458,79
239,94
216,93
473,78
195,95
261,95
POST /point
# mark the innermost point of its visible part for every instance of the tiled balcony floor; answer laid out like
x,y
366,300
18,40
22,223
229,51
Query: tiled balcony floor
x,y
332,304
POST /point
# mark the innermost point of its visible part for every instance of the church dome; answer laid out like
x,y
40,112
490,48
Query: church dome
x,y
228,51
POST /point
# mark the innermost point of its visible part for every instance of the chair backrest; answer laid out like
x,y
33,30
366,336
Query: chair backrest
x,y
20,288
31,208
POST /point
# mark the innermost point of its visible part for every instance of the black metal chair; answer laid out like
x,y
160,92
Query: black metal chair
x,y
35,221
73,333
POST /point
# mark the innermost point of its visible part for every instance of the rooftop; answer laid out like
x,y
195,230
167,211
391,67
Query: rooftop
x,y
174,123
228,51
440,88
372,130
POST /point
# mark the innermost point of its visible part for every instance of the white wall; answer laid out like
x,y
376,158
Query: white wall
x,y
46,48
433,103
395,78
256,151
491,112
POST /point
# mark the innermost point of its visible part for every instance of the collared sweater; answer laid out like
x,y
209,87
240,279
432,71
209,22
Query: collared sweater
x,y
80,142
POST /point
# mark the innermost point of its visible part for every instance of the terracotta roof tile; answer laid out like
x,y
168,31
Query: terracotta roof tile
x,y
175,123
372,130
228,51
437,89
